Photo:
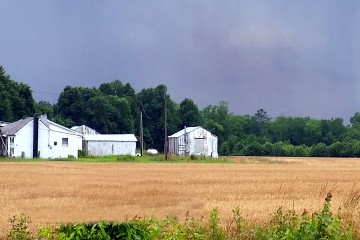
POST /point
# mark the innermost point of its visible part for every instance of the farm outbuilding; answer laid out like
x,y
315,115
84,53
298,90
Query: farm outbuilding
x,y
38,137
193,141
109,144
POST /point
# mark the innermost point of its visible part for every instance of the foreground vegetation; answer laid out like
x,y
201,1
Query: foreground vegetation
x,y
283,225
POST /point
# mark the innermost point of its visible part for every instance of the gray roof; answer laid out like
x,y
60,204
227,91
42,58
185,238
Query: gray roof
x,y
182,132
13,128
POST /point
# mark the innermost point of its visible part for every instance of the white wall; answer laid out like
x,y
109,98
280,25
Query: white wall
x,y
105,148
50,142
23,141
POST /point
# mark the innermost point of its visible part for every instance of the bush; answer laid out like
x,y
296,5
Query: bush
x,y
125,158
323,225
19,228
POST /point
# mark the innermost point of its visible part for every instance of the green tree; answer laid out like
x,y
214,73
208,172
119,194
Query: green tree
x,y
152,101
216,120
73,104
262,119
189,114
16,99
44,107
110,114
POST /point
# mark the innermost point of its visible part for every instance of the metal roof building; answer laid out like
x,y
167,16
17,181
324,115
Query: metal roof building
x,y
109,144
193,141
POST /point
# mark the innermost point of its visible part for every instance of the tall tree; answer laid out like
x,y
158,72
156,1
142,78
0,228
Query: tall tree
x,y
262,119
73,103
126,91
152,103
189,114
216,120
110,114
16,99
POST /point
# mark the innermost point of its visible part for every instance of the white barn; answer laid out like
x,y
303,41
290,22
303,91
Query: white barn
x,y
193,141
109,144
38,137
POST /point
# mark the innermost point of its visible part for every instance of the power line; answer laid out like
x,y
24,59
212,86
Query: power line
x,y
144,111
45,92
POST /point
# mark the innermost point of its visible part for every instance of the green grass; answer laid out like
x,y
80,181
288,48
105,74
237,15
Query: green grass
x,y
131,159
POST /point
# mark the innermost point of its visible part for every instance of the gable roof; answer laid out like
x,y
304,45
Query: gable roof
x,y
110,137
84,129
182,132
13,128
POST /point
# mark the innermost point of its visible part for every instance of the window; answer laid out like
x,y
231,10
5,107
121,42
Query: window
x,y
11,139
65,142
55,143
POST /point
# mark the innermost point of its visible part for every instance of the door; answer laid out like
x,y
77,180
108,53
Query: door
x,y
199,145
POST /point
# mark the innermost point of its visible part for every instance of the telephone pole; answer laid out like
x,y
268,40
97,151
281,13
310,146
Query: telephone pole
x,y
165,127
141,134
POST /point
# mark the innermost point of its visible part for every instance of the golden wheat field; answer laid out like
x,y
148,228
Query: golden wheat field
x,y
62,192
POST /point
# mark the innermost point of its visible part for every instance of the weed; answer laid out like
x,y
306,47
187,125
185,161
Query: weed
x,y
20,228
215,231
322,225
125,158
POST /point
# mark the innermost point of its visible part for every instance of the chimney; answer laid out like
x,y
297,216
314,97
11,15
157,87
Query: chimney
x,y
185,137
36,136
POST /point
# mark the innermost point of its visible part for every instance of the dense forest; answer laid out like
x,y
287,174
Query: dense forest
x,y
115,107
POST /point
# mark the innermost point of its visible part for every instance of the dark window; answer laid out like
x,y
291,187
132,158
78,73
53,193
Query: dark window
x,y
65,142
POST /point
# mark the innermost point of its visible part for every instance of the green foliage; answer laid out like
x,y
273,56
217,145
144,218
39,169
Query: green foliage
x,y
20,228
215,231
189,114
126,158
102,230
323,225
16,99
44,107
283,225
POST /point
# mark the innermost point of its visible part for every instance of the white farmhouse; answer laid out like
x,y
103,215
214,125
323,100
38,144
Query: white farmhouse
x,y
38,137
109,144
193,141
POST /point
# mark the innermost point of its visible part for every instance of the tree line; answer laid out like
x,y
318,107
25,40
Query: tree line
x,y
115,107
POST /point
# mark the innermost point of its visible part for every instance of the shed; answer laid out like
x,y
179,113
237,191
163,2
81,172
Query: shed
x,y
109,144
193,141
38,137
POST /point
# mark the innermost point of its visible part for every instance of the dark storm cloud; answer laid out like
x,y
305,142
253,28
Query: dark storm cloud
x,y
291,58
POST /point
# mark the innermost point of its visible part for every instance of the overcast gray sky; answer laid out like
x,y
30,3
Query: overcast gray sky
x,y
292,58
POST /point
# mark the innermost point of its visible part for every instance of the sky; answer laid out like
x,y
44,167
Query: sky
x,y
291,58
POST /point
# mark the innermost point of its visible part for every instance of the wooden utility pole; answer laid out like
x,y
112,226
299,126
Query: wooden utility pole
x,y
141,134
165,127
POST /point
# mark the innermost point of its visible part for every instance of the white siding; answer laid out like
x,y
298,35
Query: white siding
x,y
199,141
56,135
104,148
23,142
